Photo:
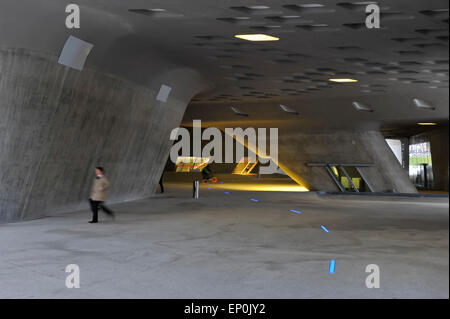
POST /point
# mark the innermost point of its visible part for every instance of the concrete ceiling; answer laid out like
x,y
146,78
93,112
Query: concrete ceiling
x,y
407,58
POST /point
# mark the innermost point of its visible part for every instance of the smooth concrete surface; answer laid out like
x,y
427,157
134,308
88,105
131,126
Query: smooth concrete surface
x,y
297,149
439,142
228,246
57,124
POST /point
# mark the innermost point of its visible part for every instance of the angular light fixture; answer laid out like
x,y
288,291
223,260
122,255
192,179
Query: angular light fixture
x,y
256,37
287,109
427,123
163,93
421,104
343,80
238,111
258,7
75,53
361,107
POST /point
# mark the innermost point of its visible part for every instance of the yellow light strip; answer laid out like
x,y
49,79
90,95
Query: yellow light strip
x,y
427,124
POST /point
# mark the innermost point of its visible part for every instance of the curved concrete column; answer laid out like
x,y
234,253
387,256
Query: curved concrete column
x,y
57,124
296,149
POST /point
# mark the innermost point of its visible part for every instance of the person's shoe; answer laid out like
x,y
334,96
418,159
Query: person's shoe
x,y
92,222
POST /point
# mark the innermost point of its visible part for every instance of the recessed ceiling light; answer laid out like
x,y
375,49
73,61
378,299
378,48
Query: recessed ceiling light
x,y
427,123
256,37
344,80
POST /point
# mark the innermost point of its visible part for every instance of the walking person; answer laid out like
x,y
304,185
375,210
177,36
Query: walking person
x,y
98,195
206,173
161,183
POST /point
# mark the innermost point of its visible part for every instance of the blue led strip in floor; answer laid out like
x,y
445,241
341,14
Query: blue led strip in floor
x,y
332,266
255,200
325,229
295,211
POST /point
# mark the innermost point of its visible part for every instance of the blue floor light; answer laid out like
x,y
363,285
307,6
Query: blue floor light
x,y
325,229
255,200
295,211
332,266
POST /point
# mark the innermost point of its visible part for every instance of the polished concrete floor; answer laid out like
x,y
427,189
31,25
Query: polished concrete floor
x,y
233,243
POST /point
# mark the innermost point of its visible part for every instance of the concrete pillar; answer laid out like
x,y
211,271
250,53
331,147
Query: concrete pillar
x,y
439,142
57,124
296,149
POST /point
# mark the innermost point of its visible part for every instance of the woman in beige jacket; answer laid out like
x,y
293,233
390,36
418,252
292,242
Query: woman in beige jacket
x,y
98,195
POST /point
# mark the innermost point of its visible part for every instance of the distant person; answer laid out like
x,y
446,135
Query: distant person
x,y
98,195
206,173
161,183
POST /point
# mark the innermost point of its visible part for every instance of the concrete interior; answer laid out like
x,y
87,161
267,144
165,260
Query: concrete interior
x,y
227,246
57,123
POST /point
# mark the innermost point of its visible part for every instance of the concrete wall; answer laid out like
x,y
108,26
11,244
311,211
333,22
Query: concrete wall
x,y
57,124
296,149
439,143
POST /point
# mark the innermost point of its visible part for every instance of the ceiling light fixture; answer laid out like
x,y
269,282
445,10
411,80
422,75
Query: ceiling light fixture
x,y
427,123
238,111
287,109
421,104
256,37
344,80
360,107
258,7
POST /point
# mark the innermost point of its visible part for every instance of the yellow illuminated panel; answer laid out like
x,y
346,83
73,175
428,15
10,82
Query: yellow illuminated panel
x,y
344,80
356,181
256,37
188,164
244,167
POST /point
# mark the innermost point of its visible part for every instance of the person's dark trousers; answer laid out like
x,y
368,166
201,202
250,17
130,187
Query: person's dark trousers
x,y
95,206
161,185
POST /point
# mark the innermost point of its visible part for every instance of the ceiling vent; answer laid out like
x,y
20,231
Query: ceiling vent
x,y
309,8
237,20
356,6
317,27
437,13
155,13
255,10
